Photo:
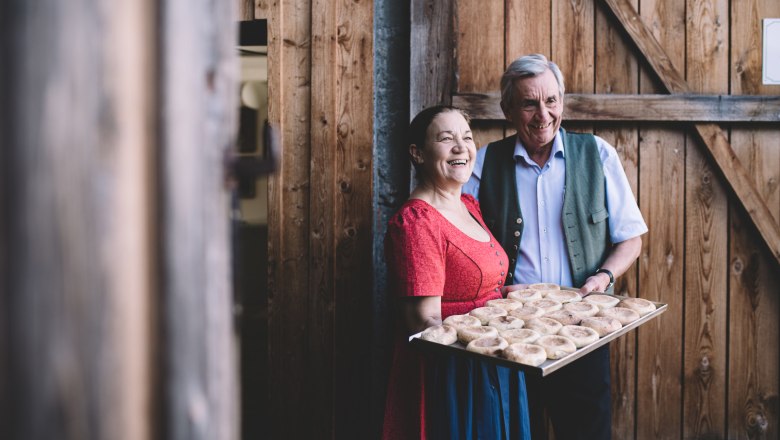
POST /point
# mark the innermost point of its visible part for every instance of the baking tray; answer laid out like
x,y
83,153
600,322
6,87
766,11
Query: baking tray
x,y
550,365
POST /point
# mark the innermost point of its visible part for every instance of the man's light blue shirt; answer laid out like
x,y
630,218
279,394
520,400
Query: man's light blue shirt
x,y
543,256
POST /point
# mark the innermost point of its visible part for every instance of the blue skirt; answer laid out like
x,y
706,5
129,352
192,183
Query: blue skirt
x,y
469,399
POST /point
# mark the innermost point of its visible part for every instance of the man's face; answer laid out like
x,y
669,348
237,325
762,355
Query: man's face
x,y
536,111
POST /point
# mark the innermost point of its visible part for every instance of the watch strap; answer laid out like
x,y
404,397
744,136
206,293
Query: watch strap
x,y
609,274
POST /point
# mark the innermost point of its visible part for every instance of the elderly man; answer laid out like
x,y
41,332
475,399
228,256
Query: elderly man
x,y
562,208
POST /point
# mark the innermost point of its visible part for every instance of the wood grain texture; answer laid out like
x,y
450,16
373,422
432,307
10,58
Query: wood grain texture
x,y
352,215
706,237
662,201
246,10
641,108
480,56
616,71
432,64
721,151
528,28
573,48
754,391
265,9
78,200
288,220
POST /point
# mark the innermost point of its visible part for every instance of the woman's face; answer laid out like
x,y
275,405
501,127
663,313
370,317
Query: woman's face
x,y
449,152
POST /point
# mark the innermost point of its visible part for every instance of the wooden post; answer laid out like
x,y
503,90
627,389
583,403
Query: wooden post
x,y
75,235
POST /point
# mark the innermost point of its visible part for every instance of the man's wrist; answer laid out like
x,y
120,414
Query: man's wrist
x,y
608,273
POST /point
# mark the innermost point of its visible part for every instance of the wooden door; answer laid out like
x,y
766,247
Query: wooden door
x,y
682,102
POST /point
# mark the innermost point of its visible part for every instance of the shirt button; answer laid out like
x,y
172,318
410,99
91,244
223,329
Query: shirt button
x,y
491,245
517,233
519,220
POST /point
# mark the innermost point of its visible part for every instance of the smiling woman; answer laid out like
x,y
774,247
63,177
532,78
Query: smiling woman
x,y
443,261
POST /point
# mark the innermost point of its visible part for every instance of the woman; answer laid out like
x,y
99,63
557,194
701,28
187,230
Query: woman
x,y
442,261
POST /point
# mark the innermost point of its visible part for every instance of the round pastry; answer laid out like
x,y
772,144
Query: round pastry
x,y
602,301
527,312
441,334
485,314
565,317
459,321
582,308
507,304
528,354
544,286
601,324
641,305
468,334
545,326
622,314
556,346
563,296
581,336
548,305
525,296
506,323
490,345
523,335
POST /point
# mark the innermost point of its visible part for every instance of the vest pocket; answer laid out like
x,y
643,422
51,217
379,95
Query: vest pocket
x,y
599,216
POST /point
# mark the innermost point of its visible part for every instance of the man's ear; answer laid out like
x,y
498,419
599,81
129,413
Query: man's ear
x,y
505,109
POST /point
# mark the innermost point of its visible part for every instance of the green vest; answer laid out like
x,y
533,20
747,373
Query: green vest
x,y
584,203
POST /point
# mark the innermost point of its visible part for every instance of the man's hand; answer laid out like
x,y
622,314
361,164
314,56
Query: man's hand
x,y
595,283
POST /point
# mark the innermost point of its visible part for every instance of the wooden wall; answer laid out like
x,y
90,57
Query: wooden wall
x,y
320,217
708,368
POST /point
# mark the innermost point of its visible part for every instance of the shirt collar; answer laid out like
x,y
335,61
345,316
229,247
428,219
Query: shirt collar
x,y
557,148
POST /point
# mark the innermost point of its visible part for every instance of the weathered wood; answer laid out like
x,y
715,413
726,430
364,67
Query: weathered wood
x,y
199,107
528,26
662,201
76,202
706,239
480,56
289,342
754,298
616,72
431,76
711,135
246,10
265,9
641,108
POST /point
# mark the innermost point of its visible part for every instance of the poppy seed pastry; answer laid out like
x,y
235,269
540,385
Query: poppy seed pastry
x,y
525,296
545,326
556,346
602,301
565,317
563,296
582,308
441,334
602,324
641,305
544,286
581,336
506,323
527,312
489,345
507,304
622,314
548,305
523,335
485,314
468,334
459,321
528,354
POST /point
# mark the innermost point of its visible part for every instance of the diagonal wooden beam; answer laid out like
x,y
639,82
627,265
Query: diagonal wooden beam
x,y
711,135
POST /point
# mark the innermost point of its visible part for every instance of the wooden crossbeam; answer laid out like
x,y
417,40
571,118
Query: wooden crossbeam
x,y
710,134
641,108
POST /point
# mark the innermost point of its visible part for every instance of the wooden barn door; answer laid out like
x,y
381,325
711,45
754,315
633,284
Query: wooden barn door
x,y
676,87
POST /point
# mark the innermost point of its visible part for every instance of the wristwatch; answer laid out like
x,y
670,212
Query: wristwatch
x,y
609,274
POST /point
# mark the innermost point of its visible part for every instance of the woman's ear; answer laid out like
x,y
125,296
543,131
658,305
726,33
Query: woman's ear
x,y
416,154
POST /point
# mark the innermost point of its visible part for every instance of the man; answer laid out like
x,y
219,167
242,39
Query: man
x,y
562,208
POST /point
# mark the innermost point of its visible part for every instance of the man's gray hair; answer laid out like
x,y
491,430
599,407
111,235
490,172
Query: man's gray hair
x,y
524,67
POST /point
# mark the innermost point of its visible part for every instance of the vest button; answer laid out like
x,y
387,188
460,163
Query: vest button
x,y
519,220
510,275
517,233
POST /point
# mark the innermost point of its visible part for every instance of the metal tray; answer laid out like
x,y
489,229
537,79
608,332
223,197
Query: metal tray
x,y
549,366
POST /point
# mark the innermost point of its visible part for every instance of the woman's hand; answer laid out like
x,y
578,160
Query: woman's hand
x,y
420,312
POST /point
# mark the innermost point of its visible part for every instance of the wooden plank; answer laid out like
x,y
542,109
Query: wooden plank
x,y
432,63
77,200
720,150
754,354
265,8
706,239
616,72
480,55
246,10
641,108
352,215
528,25
288,222
662,201
573,48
